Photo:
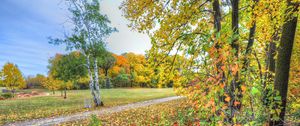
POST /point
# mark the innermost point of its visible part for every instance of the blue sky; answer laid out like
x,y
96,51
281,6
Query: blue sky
x,y
26,24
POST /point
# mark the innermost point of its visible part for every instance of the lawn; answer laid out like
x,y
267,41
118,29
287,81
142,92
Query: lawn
x,y
54,105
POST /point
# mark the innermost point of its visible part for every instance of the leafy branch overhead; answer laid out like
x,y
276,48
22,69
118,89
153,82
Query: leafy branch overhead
x,y
224,54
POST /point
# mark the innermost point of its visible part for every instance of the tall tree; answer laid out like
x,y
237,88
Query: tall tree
x,y
91,28
137,69
107,62
284,59
235,84
68,68
51,84
121,65
211,36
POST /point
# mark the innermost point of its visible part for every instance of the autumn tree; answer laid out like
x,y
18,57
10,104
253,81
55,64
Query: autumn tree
x,y
12,77
224,45
51,84
137,70
68,68
166,74
107,62
294,78
122,79
284,59
120,65
35,81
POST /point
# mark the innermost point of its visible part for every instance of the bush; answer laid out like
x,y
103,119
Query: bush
x,y
2,98
122,80
95,121
7,95
82,83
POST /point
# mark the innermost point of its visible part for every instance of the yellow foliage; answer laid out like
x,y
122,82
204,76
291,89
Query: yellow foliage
x,y
12,77
51,83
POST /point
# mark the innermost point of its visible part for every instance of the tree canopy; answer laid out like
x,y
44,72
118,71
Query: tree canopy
x,y
12,77
223,44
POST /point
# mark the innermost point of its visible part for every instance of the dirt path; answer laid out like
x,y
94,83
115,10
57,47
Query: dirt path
x,y
84,115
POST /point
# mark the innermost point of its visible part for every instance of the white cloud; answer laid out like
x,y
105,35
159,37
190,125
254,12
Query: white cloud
x,y
125,40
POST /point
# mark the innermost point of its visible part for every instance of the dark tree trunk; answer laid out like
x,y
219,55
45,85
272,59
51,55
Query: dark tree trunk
x,y
283,63
131,76
235,26
217,28
107,81
217,15
250,41
235,84
65,91
246,60
270,64
13,93
271,59
53,92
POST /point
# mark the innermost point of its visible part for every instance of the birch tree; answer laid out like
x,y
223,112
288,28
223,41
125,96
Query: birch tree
x,y
91,28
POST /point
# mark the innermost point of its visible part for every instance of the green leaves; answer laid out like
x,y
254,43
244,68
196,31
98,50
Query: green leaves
x,y
68,67
254,91
277,98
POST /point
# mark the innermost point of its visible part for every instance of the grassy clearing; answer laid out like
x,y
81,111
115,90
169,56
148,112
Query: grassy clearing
x,y
53,105
164,114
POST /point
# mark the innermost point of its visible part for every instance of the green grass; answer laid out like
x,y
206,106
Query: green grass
x,y
53,105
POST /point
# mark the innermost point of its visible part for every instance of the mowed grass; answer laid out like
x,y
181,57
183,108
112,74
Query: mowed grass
x,y
54,105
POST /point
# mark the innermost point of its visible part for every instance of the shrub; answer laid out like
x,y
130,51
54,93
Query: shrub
x,y
7,95
94,121
2,98
82,83
122,80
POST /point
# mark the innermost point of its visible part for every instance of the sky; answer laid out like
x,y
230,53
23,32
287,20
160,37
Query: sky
x,y
25,26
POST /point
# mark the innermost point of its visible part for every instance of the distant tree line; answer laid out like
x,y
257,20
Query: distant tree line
x,y
68,71
115,71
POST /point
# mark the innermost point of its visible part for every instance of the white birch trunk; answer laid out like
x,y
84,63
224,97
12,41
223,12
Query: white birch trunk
x,y
96,97
96,84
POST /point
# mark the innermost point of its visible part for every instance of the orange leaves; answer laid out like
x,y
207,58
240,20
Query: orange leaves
x,y
234,69
211,104
150,115
243,88
222,85
227,99
236,103
210,79
223,68
121,60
